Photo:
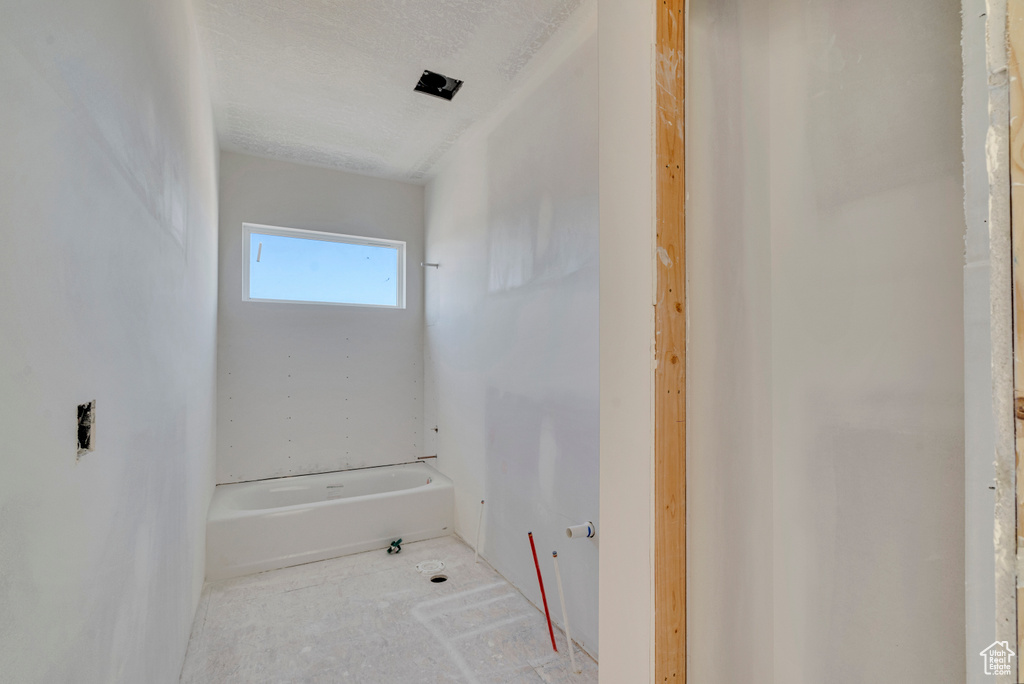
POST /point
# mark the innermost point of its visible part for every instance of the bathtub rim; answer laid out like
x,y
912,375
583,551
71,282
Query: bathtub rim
x,y
218,511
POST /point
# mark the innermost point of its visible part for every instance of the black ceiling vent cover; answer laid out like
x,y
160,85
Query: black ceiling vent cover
x,y
438,85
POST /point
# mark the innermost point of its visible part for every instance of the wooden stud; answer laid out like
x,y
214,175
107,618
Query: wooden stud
x,y
670,350
1015,19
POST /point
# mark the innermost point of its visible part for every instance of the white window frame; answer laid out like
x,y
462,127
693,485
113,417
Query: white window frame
x,y
249,228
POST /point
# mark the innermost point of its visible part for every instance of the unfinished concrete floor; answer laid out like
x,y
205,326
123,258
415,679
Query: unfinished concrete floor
x,y
372,618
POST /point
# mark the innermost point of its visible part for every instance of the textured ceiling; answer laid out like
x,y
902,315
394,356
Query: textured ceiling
x,y
330,82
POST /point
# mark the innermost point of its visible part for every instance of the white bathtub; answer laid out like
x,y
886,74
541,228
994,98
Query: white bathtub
x,y
257,526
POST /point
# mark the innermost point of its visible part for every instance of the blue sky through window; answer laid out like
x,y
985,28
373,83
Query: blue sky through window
x,y
309,270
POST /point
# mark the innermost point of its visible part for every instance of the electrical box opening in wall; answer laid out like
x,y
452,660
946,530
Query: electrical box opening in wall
x,y
86,428
314,267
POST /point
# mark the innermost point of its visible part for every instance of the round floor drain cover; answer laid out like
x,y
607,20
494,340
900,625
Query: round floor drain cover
x,y
430,567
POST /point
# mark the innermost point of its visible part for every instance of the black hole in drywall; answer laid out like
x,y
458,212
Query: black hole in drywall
x,y
86,427
438,85
437,579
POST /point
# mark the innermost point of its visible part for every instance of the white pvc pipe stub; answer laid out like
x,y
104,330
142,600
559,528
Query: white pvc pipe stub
x,y
585,531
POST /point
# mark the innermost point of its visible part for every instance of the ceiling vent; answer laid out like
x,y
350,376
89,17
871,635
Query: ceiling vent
x,y
438,85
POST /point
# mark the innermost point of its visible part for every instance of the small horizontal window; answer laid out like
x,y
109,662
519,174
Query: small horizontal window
x,y
292,265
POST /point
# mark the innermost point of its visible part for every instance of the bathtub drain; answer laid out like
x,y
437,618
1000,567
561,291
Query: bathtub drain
x,y
437,579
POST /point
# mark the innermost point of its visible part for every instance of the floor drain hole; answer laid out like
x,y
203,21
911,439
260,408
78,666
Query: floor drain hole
x,y
437,579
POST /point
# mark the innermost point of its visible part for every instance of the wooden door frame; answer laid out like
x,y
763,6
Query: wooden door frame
x,y
670,346
1004,47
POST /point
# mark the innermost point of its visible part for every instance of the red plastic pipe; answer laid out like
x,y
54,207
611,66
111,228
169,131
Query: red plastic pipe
x,y
543,596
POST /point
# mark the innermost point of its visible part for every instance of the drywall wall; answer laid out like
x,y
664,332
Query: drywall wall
x,y
729,407
107,293
837,409
307,388
979,424
512,336
626,145
997,158
867,341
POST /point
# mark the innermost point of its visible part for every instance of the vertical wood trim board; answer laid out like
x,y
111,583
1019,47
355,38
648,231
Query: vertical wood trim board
x,y
1015,20
670,349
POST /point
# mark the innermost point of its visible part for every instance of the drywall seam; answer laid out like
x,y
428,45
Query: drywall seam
x,y
997,153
